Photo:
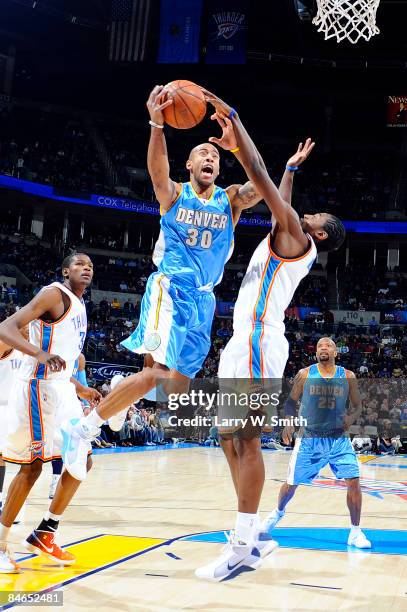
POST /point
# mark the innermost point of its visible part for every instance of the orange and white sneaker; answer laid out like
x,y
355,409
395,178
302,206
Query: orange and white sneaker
x,y
7,563
43,543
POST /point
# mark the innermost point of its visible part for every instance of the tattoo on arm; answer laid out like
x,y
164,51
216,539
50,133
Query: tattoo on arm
x,y
247,196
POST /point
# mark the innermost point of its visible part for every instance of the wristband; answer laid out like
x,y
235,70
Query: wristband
x,y
290,407
232,113
157,125
292,168
235,150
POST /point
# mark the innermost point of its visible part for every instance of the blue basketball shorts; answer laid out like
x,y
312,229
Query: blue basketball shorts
x,y
311,454
175,325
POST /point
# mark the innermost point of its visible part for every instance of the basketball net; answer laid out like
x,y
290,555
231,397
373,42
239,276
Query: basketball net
x,y
347,19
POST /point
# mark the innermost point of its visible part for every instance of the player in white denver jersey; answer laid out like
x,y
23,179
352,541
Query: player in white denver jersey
x,y
258,348
43,395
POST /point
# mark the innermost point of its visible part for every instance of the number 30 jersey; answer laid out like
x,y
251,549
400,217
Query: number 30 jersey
x,y
64,337
196,239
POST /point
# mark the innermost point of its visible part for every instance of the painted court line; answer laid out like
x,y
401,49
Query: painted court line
x,y
93,556
316,586
393,466
384,541
173,556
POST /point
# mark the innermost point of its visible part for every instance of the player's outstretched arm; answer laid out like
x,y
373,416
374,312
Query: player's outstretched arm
x,y
295,161
10,329
256,171
165,189
241,196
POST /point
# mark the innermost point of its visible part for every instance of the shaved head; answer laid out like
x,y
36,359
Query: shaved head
x,y
326,340
205,145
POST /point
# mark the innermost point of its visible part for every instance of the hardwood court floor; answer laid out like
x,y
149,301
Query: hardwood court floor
x,y
138,513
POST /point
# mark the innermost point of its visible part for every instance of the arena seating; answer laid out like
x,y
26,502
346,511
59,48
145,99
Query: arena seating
x,y
56,147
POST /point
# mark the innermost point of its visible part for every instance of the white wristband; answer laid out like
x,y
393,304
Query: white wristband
x,y
157,125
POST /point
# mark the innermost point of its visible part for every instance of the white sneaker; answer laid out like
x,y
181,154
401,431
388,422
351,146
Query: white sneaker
x,y
77,438
7,563
235,555
116,422
359,540
264,544
272,520
53,486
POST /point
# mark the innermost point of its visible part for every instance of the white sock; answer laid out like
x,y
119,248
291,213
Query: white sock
x,y
55,517
4,534
279,512
354,529
93,419
245,528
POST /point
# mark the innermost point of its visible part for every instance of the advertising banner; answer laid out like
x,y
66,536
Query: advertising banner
x,y
397,111
227,32
105,371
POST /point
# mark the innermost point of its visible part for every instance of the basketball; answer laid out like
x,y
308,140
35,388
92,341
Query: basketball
x,y
189,106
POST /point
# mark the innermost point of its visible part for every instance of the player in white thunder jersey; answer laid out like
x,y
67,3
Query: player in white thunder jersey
x,y
258,348
10,362
57,320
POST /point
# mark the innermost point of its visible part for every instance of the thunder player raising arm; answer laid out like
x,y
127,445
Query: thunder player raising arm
x,y
258,348
178,306
57,319
324,389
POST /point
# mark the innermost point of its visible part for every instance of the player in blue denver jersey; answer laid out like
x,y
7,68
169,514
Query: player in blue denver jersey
x,y
195,242
325,390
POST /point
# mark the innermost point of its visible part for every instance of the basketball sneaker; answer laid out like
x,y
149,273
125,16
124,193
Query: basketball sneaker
x,y
53,486
116,422
235,555
271,520
358,539
7,563
43,543
264,544
77,437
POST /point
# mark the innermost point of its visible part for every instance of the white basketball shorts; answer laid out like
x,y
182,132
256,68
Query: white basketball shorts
x,y
35,412
255,353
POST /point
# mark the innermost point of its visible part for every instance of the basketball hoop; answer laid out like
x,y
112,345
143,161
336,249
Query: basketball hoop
x,y
347,19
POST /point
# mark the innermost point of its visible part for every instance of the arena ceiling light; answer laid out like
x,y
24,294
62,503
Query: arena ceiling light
x,y
305,9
